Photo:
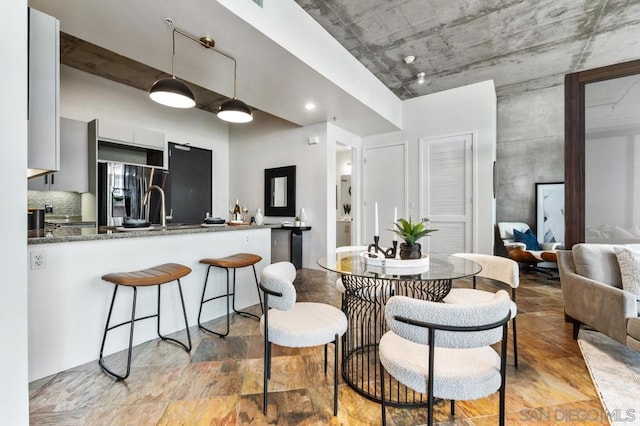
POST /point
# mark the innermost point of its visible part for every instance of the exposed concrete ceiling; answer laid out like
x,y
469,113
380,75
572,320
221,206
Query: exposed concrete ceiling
x,y
520,44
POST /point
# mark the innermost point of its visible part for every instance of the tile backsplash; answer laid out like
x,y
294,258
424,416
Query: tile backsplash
x,y
64,203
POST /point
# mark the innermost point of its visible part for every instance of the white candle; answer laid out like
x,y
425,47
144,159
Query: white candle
x,y
395,220
375,222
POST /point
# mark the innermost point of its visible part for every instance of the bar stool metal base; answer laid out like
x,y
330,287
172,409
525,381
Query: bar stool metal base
x,y
186,347
228,295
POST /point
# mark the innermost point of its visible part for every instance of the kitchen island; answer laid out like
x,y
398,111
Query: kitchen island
x,y
68,301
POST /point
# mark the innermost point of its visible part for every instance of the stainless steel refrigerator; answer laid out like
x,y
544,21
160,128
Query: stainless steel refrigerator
x,y
121,192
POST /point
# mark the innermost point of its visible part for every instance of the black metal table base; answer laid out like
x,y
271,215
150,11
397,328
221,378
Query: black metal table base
x,y
364,303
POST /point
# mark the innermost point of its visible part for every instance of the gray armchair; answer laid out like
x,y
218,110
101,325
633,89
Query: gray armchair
x,y
593,294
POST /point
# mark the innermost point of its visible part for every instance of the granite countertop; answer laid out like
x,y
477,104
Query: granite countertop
x,y
67,234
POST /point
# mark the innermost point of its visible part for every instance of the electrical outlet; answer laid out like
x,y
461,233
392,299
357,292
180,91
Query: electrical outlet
x,y
248,237
38,260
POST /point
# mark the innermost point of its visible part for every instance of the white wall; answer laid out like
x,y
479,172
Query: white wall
x,y
85,97
271,142
467,109
14,394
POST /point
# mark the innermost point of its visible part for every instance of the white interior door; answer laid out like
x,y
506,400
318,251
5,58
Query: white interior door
x,y
446,192
384,182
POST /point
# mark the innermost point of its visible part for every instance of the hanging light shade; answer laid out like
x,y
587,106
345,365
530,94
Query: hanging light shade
x,y
172,92
234,111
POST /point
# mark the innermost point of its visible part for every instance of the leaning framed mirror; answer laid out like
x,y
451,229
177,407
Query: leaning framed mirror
x,y
280,191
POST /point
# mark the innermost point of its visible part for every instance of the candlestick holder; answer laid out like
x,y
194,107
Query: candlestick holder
x,y
389,253
374,246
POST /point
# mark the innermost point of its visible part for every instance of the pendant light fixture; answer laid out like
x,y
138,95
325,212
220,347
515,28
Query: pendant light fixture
x,y
171,91
232,110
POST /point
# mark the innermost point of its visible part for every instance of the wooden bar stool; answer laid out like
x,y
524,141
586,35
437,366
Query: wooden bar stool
x,y
157,275
240,260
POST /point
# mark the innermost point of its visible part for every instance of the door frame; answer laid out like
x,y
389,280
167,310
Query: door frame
x,y
474,179
574,142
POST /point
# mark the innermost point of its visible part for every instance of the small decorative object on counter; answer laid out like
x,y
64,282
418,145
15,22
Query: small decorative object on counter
x,y
297,222
303,217
211,221
236,212
259,218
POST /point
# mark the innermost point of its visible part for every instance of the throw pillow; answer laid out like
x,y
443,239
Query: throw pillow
x,y
629,262
528,238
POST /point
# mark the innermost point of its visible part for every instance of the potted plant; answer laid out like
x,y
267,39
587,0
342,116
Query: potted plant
x,y
297,222
411,232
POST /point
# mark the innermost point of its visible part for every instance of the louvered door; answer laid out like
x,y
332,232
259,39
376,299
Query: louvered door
x,y
446,192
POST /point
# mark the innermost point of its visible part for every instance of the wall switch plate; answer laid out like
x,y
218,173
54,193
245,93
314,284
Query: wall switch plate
x,y
38,260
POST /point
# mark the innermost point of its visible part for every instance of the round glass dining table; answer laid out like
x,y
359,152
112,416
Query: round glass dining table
x,y
366,284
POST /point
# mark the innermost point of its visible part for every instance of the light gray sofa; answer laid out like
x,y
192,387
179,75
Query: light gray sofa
x,y
593,294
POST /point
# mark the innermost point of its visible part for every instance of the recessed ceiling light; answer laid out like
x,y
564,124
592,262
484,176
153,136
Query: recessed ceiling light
x,y
409,59
421,76
310,106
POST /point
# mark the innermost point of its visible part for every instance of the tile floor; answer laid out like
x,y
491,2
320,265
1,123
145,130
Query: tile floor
x,y
220,381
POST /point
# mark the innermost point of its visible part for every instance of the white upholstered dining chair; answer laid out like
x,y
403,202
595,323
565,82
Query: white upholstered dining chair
x,y
286,322
494,268
443,350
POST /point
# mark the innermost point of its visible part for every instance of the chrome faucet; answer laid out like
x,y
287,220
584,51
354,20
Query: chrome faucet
x,y
163,211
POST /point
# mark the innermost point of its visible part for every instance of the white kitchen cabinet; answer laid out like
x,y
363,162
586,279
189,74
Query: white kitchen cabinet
x,y
74,160
44,88
39,183
115,142
148,138
115,132
122,134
